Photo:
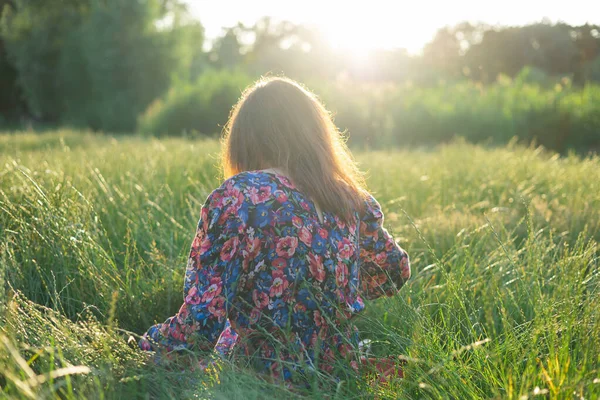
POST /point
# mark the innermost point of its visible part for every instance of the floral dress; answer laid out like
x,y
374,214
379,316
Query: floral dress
x,y
268,282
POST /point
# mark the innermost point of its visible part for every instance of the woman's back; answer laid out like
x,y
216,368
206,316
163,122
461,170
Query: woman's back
x,y
287,281
286,275
299,278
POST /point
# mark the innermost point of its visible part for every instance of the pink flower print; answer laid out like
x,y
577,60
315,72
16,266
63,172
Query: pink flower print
x,y
344,349
254,315
329,360
259,195
345,248
163,329
197,240
280,196
230,203
280,263
352,229
297,221
389,245
176,333
323,233
252,194
299,307
261,300
365,256
213,290
375,281
252,249
319,319
145,344
200,245
305,205
216,199
217,307
285,181
192,296
286,247
280,283
380,258
305,236
229,248
315,264
405,268
183,313
204,218
341,274
232,197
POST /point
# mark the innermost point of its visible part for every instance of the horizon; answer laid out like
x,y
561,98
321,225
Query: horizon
x,y
409,30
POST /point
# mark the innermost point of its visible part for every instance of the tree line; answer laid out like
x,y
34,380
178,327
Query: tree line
x,y
103,64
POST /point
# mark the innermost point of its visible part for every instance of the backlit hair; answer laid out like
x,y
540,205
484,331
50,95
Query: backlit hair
x,y
277,123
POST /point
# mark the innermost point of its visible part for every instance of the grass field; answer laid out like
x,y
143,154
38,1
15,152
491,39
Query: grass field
x,y
503,303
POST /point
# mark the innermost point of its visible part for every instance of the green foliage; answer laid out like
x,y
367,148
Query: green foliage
x,y
34,33
593,70
97,64
115,64
532,107
94,232
533,75
11,104
555,115
201,107
483,52
123,65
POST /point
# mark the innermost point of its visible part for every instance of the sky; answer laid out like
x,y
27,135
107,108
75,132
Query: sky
x,y
362,25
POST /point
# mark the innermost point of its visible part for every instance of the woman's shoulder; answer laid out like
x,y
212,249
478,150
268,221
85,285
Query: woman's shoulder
x,y
250,184
258,178
372,210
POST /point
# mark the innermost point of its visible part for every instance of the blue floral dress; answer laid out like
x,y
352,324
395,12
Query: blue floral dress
x,y
264,264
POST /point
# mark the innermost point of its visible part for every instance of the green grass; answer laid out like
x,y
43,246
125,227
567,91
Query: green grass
x,y
94,232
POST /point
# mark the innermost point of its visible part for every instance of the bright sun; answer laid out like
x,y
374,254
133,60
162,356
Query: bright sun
x,y
360,34
361,26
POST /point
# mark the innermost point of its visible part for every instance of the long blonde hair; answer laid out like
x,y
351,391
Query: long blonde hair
x,y
277,123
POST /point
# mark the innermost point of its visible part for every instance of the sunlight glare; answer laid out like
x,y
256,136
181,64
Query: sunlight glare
x,y
360,27
359,34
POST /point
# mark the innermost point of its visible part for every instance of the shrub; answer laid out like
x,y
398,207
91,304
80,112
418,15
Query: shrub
x,y
530,107
558,116
201,107
592,70
533,75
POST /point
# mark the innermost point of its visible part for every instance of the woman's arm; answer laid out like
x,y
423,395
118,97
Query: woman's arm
x,y
211,275
385,266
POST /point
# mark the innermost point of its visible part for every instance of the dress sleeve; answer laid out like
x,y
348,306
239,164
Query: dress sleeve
x,y
384,265
211,277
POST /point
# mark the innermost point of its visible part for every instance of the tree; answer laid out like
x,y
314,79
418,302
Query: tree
x,y
482,52
587,41
98,63
115,63
276,47
11,103
226,51
34,32
442,54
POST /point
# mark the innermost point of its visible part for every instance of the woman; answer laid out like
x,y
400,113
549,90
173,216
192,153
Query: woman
x,y
289,245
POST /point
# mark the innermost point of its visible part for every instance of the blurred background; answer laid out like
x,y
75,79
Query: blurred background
x,y
392,74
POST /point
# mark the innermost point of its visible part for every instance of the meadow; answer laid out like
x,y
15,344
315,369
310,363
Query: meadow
x,y
95,230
